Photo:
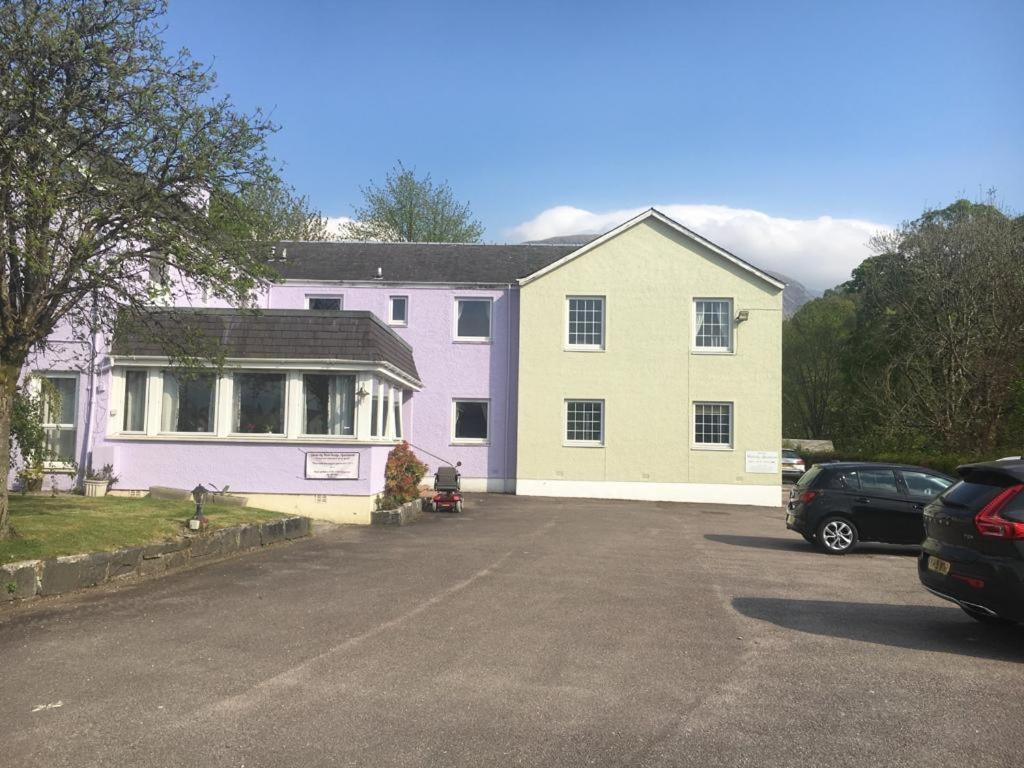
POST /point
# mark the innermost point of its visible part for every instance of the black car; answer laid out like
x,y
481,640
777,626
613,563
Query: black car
x,y
973,552
838,504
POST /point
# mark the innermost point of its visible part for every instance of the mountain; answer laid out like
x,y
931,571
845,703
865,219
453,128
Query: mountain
x,y
794,296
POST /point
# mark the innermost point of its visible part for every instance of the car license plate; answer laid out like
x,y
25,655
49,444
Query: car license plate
x,y
790,519
938,565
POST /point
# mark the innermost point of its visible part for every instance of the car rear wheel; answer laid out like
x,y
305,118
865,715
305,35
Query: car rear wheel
x,y
986,618
837,535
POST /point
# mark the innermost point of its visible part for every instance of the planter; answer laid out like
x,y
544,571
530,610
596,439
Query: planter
x,y
96,487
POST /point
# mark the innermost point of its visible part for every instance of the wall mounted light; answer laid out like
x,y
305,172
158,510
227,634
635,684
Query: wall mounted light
x,y
361,392
743,315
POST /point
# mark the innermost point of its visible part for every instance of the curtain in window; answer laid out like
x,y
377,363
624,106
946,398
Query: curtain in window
x,y
170,405
341,396
134,401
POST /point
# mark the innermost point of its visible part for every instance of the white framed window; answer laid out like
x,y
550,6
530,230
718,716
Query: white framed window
x,y
398,415
133,419
328,404
584,422
60,422
473,319
258,403
712,324
188,403
712,425
398,310
329,303
470,421
584,323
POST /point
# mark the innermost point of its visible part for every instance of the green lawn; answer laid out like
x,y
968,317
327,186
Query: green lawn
x,y
49,526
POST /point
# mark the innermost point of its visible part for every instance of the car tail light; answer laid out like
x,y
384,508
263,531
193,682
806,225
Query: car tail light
x,y
991,524
808,496
969,580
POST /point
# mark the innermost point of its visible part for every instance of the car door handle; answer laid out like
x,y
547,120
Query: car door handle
x,y
864,500
919,507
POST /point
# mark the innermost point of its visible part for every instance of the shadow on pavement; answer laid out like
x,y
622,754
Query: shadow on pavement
x,y
797,544
918,627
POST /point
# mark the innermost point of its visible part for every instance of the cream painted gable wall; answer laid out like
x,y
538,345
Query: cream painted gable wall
x,y
648,374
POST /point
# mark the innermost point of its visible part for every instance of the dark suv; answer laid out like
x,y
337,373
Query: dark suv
x,y
973,552
836,505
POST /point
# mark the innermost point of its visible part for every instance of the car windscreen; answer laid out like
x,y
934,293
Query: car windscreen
x,y
788,454
969,495
807,478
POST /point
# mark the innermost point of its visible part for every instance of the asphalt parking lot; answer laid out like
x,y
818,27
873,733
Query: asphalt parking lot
x,y
526,632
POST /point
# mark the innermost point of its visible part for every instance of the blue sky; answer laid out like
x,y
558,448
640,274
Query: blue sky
x,y
550,117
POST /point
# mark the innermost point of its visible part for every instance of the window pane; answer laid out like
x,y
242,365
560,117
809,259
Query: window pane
x,y
329,304
60,443
398,416
586,322
329,404
66,389
878,481
470,420
474,319
374,410
584,421
187,403
398,309
134,401
259,403
924,485
714,324
712,424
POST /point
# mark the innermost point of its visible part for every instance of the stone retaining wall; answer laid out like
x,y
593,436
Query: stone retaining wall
x,y
41,578
404,515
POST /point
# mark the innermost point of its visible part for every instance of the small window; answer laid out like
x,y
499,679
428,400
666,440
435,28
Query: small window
x,y
398,310
472,319
585,324
878,481
329,303
712,425
329,404
584,422
134,401
258,403
470,420
60,412
188,403
713,325
924,485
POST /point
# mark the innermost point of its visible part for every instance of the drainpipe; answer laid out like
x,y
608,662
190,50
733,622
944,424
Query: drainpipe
x,y
85,461
508,387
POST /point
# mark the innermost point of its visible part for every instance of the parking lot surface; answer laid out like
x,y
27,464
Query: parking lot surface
x,y
532,632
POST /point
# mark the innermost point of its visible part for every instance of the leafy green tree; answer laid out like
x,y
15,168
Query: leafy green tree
x,y
267,211
938,349
815,391
412,209
109,146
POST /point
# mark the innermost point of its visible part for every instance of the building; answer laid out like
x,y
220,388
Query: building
x,y
645,364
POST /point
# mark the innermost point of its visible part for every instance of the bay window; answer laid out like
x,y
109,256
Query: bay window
x,y
258,403
329,404
188,402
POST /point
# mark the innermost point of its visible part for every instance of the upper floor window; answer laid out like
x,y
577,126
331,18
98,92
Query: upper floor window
x,y
585,324
324,302
60,412
398,310
712,325
159,273
472,319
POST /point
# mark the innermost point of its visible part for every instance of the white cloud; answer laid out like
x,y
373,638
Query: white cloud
x,y
818,252
335,224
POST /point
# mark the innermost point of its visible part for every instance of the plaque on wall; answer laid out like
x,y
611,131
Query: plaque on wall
x,y
332,465
763,462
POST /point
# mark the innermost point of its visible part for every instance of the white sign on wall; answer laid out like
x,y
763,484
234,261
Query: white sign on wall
x,y
332,466
763,462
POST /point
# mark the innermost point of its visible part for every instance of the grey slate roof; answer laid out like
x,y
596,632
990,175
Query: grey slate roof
x,y
277,334
443,263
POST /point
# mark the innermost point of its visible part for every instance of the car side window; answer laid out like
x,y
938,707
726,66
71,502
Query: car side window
x,y
878,481
843,481
923,485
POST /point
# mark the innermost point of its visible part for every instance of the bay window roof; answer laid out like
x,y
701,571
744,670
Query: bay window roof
x,y
272,334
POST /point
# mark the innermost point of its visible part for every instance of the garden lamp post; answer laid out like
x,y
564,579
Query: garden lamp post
x,y
199,494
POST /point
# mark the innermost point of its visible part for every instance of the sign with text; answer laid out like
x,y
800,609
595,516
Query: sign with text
x,y
763,462
332,466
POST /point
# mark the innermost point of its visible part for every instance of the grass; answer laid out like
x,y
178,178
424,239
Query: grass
x,y
50,526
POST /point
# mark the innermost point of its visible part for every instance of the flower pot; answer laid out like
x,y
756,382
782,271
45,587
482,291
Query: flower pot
x,y
95,487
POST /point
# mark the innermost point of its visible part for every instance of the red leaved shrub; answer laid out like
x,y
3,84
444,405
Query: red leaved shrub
x,y
402,476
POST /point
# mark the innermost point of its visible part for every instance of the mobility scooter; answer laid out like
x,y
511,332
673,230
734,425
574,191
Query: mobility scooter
x,y
447,489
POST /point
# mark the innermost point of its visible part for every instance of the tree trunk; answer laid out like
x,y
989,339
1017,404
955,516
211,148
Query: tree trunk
x,y
8,383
